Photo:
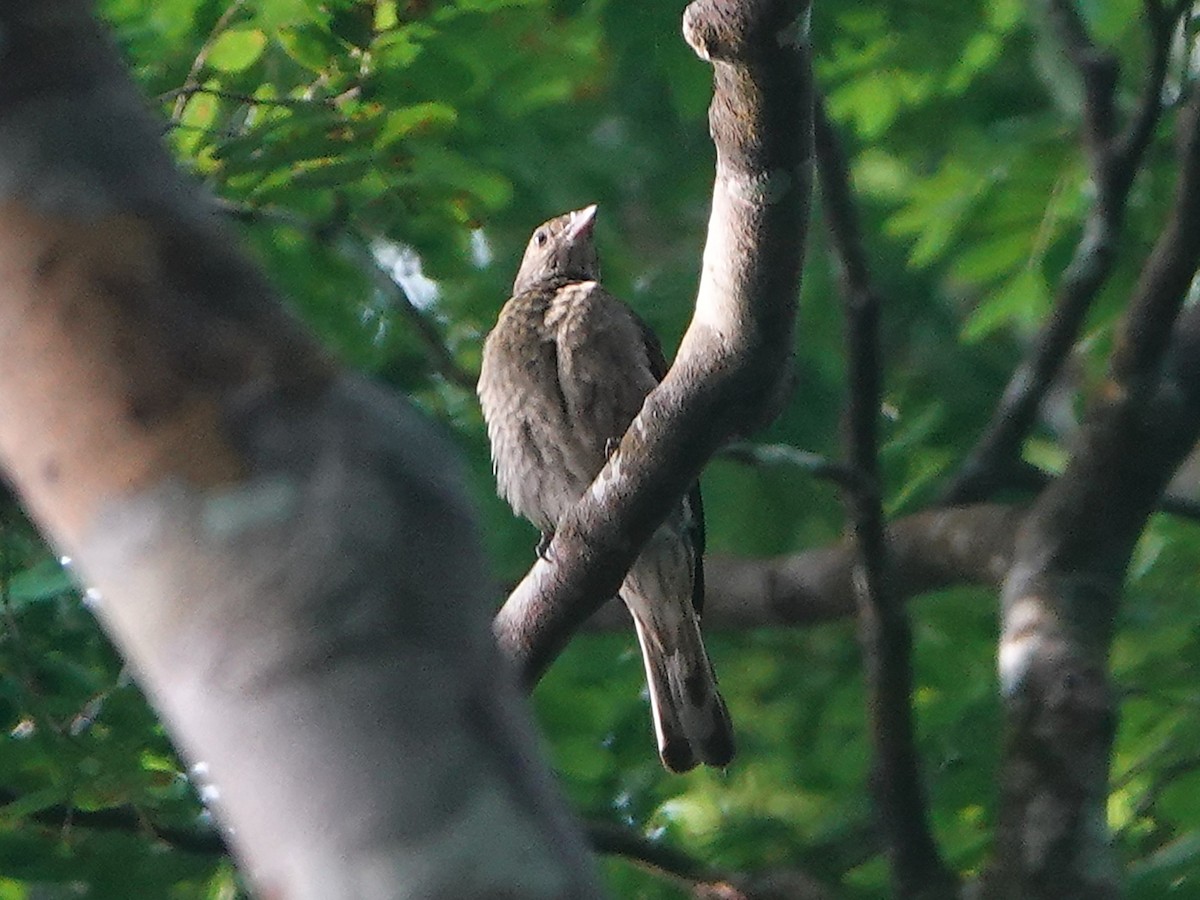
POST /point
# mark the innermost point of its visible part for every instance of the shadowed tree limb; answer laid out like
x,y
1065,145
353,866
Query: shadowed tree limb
x,y
732,365
931,550
1062,595
206,841
1115,158
916,866
606,838
618,840
704,881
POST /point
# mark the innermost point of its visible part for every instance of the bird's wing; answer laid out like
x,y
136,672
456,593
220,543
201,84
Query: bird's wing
x,y
615,359
654,350
604,365
693,505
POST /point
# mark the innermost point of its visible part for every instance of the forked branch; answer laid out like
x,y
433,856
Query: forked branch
x,y
733,361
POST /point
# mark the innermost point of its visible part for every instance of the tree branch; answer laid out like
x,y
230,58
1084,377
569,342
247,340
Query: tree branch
x,y
356,248
617,840
1115,160
606,838
732,364
1163,286
127,819
704,881
284,551
931,550
1061,597
917,869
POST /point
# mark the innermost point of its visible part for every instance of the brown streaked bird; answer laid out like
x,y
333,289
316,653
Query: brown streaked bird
x,y
564,372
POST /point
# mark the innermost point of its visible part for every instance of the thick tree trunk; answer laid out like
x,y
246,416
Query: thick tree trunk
x,y
283,551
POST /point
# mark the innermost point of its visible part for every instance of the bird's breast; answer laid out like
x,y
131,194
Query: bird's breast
x,y
542,457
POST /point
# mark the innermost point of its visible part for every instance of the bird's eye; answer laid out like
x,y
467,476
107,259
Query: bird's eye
x,y
540,238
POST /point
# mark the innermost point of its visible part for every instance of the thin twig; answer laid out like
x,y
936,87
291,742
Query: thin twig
x,y
702,880
199,840
356,248
193,75
813,464
616,840
191,90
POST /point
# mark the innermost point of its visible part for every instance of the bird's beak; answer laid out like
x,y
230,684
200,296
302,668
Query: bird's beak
x,y
582,221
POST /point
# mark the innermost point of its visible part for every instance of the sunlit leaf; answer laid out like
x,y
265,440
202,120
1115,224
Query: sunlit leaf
x,y
237,49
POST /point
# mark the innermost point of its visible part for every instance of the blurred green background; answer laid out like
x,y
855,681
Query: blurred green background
x,y
355,140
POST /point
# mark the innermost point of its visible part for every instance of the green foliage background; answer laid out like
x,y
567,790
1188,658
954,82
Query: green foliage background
x,y
451,129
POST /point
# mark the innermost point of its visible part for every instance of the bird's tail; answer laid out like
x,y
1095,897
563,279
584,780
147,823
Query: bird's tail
x,y
690,719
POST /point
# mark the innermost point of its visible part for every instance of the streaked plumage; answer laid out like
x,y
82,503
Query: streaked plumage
x,y
565,370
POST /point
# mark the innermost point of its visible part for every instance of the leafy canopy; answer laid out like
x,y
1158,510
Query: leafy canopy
x,y
433,136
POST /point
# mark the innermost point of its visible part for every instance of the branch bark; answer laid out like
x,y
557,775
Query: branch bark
x,y
969,545
916,866
732,365
1061,597
284,553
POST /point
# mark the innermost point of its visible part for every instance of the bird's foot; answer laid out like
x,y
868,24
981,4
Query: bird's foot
x,y
610,447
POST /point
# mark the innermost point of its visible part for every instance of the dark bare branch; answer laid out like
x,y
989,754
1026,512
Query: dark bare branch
x,y
931,550
357,249
1098,70
703,880
1131,144
917,869
617,840
1061,597
1167,275
994,462
732,364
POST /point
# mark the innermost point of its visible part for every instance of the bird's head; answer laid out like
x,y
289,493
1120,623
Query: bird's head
x,y
560,250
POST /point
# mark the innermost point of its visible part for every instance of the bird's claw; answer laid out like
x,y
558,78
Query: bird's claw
x,y
543,545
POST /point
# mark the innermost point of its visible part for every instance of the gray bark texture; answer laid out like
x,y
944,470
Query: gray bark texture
x,y
283,552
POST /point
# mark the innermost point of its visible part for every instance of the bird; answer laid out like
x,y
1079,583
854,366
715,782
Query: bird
x,y
565,370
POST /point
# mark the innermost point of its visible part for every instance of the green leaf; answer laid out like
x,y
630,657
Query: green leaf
x,y
992,257
306,45
1180,800
456,171
30,803
1021,301
276,14
45,581
1046,455
418,118
237,49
